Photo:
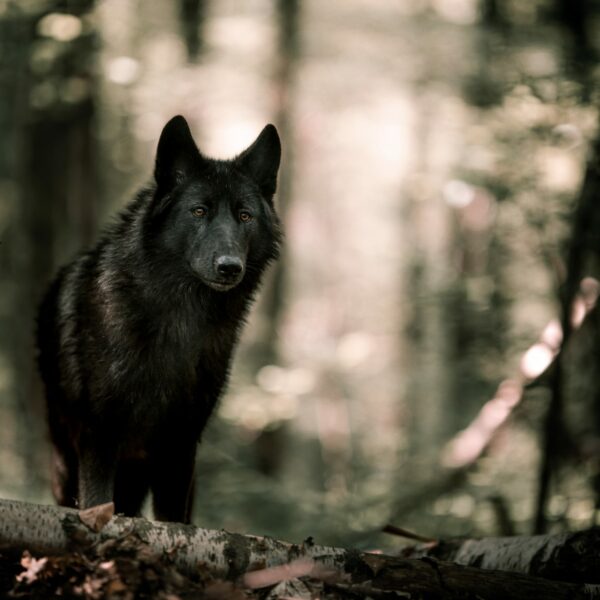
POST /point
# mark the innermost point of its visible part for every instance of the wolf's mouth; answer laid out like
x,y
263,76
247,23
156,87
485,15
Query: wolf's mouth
x,y
222,286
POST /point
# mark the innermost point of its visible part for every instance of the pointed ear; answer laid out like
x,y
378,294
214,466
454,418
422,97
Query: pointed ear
x,y
176,156
261,160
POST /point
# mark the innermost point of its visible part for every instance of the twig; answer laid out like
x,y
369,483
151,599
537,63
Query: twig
x,y
393,530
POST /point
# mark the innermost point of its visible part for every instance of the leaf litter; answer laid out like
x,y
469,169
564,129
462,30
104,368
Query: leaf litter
x,y
123,569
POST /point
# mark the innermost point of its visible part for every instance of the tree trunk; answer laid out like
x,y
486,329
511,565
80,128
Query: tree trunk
x,y
288,50
191,20
47,177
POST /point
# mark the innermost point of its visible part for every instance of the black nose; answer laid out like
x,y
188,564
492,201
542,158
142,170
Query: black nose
x,y
229,266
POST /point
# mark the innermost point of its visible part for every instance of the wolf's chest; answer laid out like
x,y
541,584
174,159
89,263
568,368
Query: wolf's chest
x,y
180,367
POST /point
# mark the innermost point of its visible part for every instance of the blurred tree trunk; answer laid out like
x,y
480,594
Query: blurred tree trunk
x,y
575,17
288,14
424,278
191,17
47,105
15,36
582,255
269,444
476,311
573,14
456,303
490,12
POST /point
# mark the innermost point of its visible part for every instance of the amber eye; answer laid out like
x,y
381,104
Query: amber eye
x,y
199,211
245,216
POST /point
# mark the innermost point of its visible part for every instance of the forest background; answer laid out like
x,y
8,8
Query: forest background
x,y
437,188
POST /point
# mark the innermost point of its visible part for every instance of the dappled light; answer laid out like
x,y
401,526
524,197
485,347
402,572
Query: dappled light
x,y
61,27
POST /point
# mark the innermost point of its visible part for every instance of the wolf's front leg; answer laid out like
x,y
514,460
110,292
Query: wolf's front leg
x,y
97,470
172,482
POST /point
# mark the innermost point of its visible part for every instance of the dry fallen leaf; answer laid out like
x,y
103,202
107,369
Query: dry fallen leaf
x,y
92,586
114,586
223,590
33,566
97,517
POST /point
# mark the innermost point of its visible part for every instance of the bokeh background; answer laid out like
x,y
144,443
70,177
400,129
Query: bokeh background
x,y
438,188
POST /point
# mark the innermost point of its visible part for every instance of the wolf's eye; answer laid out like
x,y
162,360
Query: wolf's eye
x,y
245,216
199,211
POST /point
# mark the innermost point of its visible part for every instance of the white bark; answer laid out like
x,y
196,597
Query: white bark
x,y
569,556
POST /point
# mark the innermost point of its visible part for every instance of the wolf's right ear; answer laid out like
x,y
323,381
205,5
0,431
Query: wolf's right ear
x,y
177,155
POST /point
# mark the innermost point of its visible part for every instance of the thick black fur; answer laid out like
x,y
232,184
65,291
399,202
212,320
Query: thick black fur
x,y
136,336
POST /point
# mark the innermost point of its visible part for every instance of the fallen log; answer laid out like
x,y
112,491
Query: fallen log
x,y
55,530
570,556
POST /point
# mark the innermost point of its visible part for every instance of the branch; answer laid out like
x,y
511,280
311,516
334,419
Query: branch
x,y
537,364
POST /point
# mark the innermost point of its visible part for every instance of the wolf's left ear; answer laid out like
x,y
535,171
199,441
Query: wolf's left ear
x,y
177,155
261,160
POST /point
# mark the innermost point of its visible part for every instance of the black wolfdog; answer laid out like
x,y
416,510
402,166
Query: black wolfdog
x,y
136,336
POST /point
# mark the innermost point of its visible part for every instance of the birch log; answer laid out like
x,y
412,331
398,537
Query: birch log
x,y
570,556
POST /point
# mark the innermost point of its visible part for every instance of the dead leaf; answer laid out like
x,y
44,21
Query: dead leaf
x,y
96,517
92,586
115,586
223,590
32,567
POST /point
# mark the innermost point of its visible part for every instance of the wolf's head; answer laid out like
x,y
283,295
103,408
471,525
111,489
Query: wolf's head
x,y
216,216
